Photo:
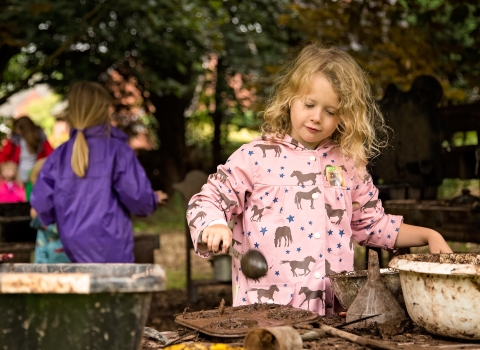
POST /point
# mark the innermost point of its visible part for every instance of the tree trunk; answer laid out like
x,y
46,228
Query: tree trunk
x,y
169,161
217,115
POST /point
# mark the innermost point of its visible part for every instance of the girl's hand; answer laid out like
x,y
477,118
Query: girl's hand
x,y
33,213
437,244
213,235
162,197
417,236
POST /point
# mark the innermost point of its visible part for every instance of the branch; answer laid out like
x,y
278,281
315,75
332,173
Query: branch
x,y
23,83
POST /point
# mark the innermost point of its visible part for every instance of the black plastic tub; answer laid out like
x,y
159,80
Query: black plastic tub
x,y
76,306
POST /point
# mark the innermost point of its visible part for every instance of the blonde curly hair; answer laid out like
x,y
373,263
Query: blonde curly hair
x,y
361,132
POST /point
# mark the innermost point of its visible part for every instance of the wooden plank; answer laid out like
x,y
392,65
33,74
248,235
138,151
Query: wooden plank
x,y
457,224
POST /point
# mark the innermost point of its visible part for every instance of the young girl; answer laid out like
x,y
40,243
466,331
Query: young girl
x,y
89,185
48,246
11,190
27,144
301,194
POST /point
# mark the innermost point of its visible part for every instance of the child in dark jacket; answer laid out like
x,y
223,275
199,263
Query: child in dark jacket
x,y
91,184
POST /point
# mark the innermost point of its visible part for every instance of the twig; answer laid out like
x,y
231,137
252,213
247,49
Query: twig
x,y
357,320
221,309
370,343
174,341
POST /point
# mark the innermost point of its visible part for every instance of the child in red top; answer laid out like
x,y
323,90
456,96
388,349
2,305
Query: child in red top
x,y
11,190
27,144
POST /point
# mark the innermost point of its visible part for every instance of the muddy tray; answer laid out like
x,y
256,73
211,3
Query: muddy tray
x,y
235,322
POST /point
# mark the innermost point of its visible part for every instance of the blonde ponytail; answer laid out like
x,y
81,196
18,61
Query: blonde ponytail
x,y
88,105
80,154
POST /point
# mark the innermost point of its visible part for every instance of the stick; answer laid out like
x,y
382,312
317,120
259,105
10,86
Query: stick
x,y
357,320
374,344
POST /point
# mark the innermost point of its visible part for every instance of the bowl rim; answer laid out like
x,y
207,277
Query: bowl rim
x,y
363,273
403,264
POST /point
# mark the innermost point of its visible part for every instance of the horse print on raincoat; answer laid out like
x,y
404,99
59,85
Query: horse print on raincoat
x,y
304,225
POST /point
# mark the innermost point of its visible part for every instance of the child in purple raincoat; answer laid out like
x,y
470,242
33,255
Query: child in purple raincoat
x,y
91,184
301,194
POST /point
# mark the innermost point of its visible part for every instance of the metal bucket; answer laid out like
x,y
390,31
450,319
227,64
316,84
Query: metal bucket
x,y
222,267
76,306
441,292
346,285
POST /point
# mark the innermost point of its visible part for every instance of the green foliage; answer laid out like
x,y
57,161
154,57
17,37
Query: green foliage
x,y
462,139
164,45
396,41
451,188
16,68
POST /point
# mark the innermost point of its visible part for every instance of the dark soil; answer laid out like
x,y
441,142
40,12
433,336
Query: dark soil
x,y
169,304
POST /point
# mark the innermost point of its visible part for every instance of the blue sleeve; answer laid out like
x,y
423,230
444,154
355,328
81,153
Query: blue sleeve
x,y
132,185
41,255
41,198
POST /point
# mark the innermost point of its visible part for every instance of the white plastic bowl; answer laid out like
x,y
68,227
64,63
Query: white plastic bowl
x,y
442,292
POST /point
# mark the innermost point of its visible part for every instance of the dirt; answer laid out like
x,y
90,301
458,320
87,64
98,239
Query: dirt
x,y
172,303
168,304
360,273
464,258
235,322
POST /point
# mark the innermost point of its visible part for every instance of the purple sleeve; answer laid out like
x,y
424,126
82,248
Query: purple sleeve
x,y
131,184
41,198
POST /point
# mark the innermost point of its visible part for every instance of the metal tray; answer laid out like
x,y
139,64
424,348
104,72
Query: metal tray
x,y
236,321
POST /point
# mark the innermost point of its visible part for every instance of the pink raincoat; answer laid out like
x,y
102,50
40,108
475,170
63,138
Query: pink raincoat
x,y
11,192
302,209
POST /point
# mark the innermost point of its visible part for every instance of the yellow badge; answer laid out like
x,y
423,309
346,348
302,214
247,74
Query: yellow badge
x,y
334,175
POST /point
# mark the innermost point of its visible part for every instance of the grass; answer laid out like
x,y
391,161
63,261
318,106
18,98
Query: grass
x,y
169,222
169,217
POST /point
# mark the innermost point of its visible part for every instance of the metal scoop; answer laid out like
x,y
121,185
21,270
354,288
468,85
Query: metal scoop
x,y
374,298
253,263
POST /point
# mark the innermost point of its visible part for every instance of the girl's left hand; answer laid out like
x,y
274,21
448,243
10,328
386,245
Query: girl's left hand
x,y
33,213
437,244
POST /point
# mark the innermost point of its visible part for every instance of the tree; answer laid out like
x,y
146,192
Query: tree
x,y
161,45
396,41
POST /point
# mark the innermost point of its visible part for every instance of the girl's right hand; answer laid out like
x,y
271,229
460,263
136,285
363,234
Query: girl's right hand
x,y
162,197
213,235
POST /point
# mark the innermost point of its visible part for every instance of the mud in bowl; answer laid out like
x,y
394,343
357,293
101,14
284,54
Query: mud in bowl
x,y
441,292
